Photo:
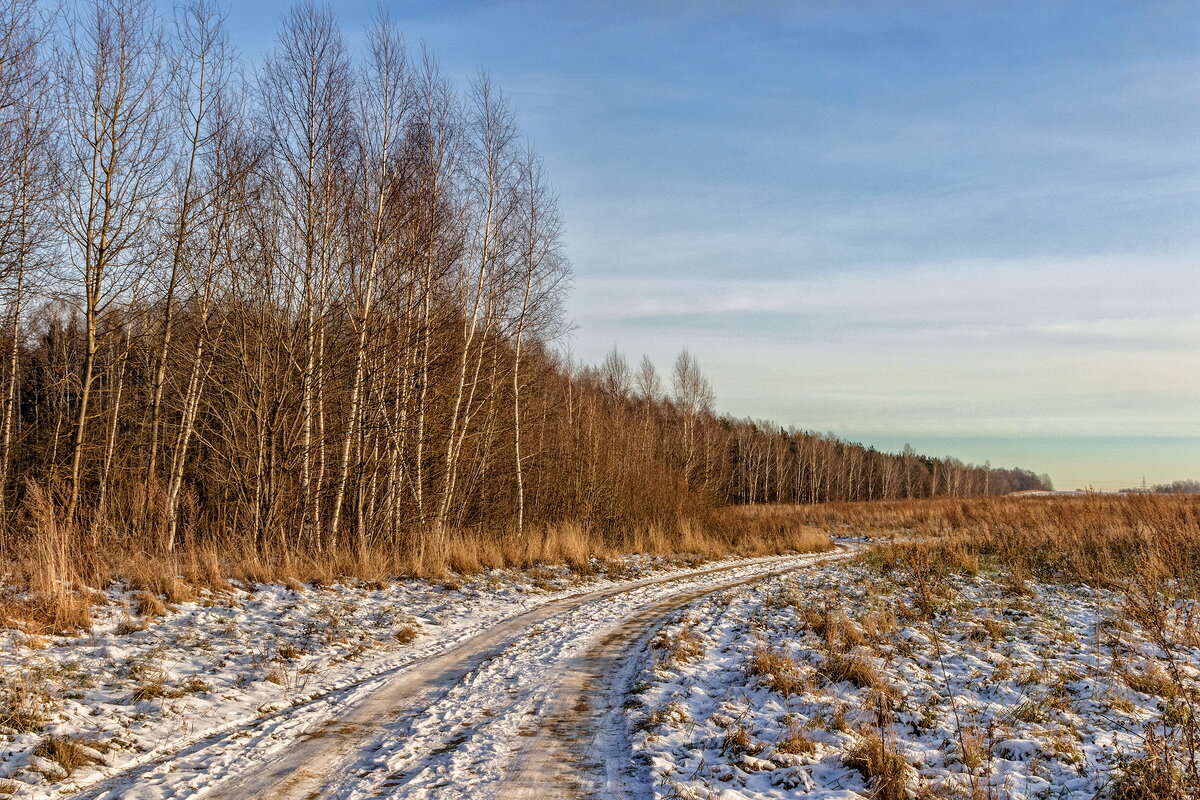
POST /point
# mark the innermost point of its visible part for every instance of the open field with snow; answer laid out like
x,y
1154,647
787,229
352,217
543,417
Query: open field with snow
x,y
1040,648
838,683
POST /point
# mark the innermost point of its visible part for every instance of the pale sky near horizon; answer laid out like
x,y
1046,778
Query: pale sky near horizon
x,y
972,226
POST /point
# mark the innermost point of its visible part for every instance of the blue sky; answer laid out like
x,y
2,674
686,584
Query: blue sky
x,y
970,226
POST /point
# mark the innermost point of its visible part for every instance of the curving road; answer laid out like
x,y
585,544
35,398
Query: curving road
x,y
528,709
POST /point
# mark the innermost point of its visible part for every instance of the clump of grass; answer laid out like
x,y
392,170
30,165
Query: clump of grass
x,y
777,670
837,631
738,741
972,749
196,685
795,742
1151,679
988,629
1154,775
881,765
155,688
673,713
70,754
853,669
288,651
148,606
683,648
407,634
1030,712
879,625
25,704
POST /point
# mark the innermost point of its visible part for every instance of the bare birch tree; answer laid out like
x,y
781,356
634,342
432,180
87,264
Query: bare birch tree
x,y
385,103
25,193
307,96
112,82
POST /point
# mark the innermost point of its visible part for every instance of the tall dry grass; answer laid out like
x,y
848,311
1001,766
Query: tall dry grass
x,y
49,575
1097,539
1147,547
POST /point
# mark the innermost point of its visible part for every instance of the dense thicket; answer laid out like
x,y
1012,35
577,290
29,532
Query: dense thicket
x,y
310,306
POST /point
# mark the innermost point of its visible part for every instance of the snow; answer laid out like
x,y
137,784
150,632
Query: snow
x,y
666,680
222,685
1029,688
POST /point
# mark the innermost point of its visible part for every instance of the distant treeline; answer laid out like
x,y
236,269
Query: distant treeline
x,y
752,461
312,306
1174,487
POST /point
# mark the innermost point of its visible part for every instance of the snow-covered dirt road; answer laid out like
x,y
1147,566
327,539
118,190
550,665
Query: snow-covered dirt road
x,y
527,708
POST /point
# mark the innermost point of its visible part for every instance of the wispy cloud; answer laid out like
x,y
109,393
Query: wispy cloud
x,y
1132,299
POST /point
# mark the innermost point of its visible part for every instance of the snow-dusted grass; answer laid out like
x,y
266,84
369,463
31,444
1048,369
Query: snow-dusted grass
x,y
847,684
148,678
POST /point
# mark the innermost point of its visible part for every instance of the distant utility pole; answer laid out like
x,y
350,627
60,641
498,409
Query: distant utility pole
x,y
1143,483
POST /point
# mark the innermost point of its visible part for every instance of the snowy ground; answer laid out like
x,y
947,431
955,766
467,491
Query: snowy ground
x,y
225,684
756,678
789,688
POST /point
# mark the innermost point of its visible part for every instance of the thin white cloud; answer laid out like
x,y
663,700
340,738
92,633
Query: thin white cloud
x,y
1131,298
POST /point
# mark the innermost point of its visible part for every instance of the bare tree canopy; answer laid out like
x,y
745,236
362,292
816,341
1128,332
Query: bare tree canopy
x,y
313,307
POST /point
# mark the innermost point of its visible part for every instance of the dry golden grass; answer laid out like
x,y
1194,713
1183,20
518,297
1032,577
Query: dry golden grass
x,y
852,669
57,563
1096,538
777,670
795,742
682,648
67,753
837,631
25,704
738,741
1154,775
1146,546
155,688
881,765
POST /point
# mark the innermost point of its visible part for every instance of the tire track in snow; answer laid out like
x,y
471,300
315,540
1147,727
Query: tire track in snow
x,y
582,749
408,731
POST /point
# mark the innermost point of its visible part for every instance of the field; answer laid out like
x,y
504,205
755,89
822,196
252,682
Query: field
x,y
1011,648
1019,648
